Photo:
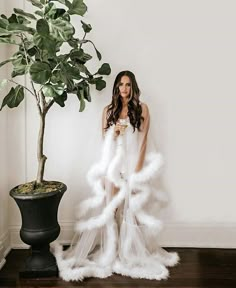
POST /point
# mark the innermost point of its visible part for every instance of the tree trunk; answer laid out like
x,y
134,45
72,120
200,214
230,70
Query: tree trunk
x,y
41,157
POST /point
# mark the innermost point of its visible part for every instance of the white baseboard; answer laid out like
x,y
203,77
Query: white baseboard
x,y
2,263
2,258
199,235
16,242
5,248
6,244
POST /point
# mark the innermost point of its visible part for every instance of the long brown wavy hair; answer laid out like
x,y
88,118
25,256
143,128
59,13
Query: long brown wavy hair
x,y
134,106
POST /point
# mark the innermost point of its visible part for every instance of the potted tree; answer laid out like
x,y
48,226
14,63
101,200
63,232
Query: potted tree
x,y
53,74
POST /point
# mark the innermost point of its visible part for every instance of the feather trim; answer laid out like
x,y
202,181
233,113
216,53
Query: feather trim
x,y
140,272
105,216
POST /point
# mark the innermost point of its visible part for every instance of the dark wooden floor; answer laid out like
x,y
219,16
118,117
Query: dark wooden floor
x,y
198,268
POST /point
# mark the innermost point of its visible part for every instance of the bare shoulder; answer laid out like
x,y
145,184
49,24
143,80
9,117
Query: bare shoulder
x,y
105,110
145,110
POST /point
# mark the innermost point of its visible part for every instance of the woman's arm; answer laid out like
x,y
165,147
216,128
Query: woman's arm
x,y
104,120
143,137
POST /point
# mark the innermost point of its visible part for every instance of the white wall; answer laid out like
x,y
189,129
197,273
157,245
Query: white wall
x,y
183,54
3,179
4,235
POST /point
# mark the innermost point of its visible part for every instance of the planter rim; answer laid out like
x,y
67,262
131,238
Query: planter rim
x,y
39,195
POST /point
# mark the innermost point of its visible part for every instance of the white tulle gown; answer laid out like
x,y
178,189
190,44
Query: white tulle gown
x,y
117,226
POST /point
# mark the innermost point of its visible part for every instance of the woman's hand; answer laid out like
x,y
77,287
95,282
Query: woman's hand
x,y
119,129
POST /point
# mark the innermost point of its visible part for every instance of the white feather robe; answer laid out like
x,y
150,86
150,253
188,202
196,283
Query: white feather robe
x,y
116,232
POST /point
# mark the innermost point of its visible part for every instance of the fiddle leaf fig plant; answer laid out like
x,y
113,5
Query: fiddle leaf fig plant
x,y
41,39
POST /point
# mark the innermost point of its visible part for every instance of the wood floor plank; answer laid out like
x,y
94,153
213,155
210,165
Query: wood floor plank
x,y
198,268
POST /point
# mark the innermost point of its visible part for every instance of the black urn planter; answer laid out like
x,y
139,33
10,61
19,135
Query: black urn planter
x,y
39,228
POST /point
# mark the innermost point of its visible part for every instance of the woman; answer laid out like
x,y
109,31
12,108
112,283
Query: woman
x,y
117,226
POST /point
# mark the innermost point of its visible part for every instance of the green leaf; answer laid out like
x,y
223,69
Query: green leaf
x,y
48,91
22,20
17,60
79,56
7,97
8,40
83,69
65,74
45,43
100,84
39,12
87,95
56,92
20,67
97,52
3,83
66,17
94,80
73,43
13,18
105,69
19,70
56,77
3,23
59,89
72,72
19,96
50,10
6,61
58,45
42,27
19,63
40,72
61,13
61,30
66,78
4,32
53,90
32,51
16,27
17,19
68,4
28,43
14,97
77,7
36,3
80,95
23,13
70,85
60,99
86,27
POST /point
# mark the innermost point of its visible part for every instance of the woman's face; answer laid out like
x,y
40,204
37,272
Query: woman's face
x,y
125,87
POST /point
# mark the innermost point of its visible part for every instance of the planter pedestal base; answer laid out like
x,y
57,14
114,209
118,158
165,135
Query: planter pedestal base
x,y
40,263
52,272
